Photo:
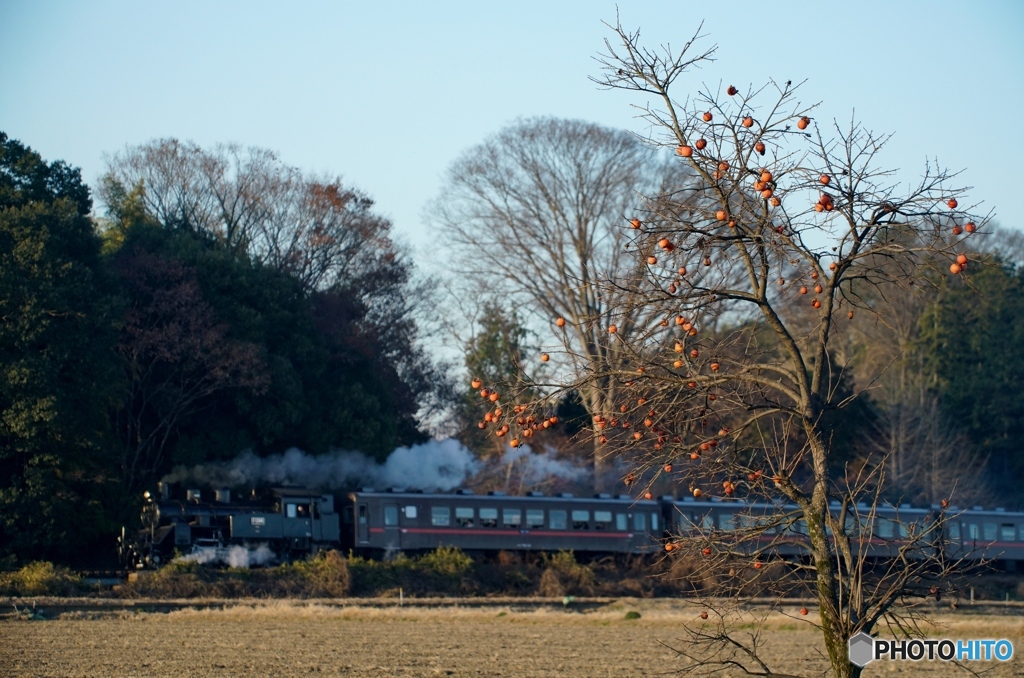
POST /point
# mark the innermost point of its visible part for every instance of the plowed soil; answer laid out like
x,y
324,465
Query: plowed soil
x,y
298,639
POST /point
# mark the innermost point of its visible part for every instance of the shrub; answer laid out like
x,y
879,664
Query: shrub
x,y
174,580
325,576
447,561
444,570
550,584
564,576
375,576
40,579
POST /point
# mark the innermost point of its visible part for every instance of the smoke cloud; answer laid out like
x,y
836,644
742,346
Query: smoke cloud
x,y
539,467
435,465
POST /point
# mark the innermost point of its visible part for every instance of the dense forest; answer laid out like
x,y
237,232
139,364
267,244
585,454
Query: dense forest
x,y
225,302
217,300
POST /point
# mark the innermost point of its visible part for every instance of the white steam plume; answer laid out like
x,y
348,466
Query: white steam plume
x,y
539,467
234,556
434,465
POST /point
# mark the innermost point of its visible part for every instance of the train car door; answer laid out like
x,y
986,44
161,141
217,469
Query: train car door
x,y
316,527
362,523
297,520
622,526
391,536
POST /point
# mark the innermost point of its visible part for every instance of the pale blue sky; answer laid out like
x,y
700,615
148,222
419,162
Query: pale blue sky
x,y
387,94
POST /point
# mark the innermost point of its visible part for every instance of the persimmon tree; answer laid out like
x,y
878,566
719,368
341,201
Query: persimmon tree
x,y
781,230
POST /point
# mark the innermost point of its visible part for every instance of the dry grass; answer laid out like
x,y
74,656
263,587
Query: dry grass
x,y
292,638
654,612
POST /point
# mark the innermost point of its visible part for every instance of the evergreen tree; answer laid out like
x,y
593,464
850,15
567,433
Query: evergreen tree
x,y
971,339
56,364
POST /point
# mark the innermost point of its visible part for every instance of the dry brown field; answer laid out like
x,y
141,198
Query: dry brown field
x,y
302,639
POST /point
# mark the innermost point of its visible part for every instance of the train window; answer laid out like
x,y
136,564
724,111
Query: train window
x,y
972,531
640,522
291,510
301,510
988,531
885,528
556,520
748,522
512,517
1007,532
362,514
851,525
535,519
602,520
440,516
581,520
464,516
488,517
707,522
954,531
390,515
620,522
654,522
410,512
726,521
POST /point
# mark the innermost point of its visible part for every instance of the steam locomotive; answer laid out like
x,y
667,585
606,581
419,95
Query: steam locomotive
x,y
294,522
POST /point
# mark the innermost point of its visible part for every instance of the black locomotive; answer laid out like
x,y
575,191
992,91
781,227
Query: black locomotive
x,y
294,522
289,521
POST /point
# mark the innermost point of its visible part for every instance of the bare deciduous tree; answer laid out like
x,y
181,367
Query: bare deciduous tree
x,y
783,230
536,213
926,454
316,229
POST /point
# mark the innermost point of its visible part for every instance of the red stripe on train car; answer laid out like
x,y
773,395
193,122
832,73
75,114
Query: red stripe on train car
x,y
480,531
497,532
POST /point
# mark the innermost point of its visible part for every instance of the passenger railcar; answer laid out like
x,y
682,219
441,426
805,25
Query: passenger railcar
x,y
974,534
411,521
996,533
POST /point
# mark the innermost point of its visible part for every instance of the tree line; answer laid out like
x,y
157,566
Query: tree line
x,y
226,301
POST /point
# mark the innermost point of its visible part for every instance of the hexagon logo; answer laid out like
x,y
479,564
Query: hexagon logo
x,y
862,649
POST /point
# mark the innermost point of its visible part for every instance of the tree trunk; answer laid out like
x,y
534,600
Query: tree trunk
x,y
835,632
601,469
597,402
